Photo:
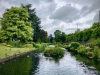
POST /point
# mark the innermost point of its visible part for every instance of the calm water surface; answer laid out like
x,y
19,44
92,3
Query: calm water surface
x,y
37,64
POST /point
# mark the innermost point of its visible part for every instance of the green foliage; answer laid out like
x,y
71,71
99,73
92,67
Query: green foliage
x,y
66,46
54,52
94,42
35,21
78,36
74,45
96,33
83,50
28,45
95,25
96,53
89,54
59,36
87,34
15,25
15,44
59,44
36,45
69,37
43,36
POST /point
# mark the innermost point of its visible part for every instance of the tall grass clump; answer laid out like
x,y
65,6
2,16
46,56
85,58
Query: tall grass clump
x,y
17,44
54,52
82,50
74,45
94,42
96,53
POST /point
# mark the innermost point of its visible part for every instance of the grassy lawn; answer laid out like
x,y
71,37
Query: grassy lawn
x,y
11,51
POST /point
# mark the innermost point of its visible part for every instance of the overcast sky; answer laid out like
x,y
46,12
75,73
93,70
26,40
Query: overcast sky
x,y
64,15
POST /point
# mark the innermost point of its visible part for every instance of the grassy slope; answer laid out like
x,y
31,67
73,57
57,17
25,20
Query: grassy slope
x,y
11,51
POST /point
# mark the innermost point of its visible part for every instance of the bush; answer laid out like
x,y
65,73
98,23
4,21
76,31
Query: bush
x,y
66,46
96,53
36,45
28,45
15,43
53,52
74,45
90,54
83,50
94,42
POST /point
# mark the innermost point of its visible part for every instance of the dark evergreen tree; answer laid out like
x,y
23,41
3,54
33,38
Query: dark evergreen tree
x,y
35,21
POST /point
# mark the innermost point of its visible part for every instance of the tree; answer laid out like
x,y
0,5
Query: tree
x,y
63,37
95,25
59,36
87,34
15,25
35,21
96,33
43,36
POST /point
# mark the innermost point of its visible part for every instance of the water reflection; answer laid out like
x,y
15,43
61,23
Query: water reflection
x,y
89,63
22,66
38,64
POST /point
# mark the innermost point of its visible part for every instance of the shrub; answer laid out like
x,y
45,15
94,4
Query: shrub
x,y
83,50
74,45
96,53
66,46
15,43
53,52
94,42
36,45
90,54
28,45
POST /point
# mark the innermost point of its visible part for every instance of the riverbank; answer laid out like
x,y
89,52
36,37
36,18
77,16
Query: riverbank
x,y
8,52
84,50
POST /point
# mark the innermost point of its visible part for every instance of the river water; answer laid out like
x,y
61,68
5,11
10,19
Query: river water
x,y
38,64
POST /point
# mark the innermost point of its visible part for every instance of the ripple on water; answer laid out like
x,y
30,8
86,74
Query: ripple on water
x,y
68,65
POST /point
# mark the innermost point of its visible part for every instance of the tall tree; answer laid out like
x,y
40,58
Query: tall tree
x,y
59,36
15,25
43,36
35,21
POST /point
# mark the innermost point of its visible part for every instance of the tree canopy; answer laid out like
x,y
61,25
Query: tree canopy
x,y
35,21
15,25
59,36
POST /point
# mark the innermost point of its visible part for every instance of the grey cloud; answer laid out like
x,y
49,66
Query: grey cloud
x,y
96,17
52,18
84,11
66,13
87,10
43,11
80,2
95,6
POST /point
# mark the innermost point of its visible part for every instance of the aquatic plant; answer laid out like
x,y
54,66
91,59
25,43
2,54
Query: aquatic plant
x,y
96,53
74,45
83,49
54,52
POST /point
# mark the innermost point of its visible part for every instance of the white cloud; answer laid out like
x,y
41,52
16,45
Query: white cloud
x,y
60,14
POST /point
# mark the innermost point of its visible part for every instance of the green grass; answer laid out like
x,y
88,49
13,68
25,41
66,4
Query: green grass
x,y
96,53
74,45
11,51
83,49
54,52
94,42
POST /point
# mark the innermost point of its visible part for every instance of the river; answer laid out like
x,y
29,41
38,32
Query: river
x,y
38,64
